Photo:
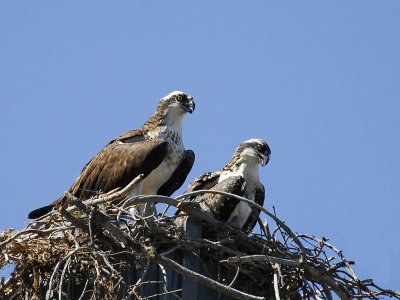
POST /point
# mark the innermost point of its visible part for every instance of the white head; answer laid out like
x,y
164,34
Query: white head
x,y
178,102
253,151
171,110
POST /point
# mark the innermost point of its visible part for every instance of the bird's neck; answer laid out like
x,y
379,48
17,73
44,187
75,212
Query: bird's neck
x,y
243,166
165,126
247,170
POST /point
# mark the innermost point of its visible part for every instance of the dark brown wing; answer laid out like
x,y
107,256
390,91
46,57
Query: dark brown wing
x,y
204,182
117,165
179,175
219,205
253,218
131,136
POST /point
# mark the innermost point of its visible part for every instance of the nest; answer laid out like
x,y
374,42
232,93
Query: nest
x,y
99,248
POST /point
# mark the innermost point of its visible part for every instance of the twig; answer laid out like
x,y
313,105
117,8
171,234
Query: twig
x,y
62,278
165,293
40,232
235,278
270,259
116,195
276,286
50,290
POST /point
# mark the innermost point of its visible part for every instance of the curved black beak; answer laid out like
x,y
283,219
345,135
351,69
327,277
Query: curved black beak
x,y
264,159
190,106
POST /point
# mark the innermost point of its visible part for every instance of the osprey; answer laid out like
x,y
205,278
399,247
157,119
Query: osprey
x,y
155,150
240,177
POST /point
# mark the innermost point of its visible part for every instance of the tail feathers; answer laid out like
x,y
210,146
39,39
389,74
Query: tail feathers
x,y
34,214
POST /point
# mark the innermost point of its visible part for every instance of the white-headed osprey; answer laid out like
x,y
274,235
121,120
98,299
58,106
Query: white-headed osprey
x,y
155,150
239,176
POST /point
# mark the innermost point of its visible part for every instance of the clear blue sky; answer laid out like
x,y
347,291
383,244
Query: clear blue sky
x,y
318,80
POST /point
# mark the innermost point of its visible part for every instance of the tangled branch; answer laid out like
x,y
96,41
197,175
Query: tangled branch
x,y
99,248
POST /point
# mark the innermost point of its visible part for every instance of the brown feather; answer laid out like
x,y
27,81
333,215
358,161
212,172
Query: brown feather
x,y
204,182
117,165
179,176
253,218
222,206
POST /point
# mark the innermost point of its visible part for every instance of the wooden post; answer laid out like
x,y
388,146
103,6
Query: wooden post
x,y
190,288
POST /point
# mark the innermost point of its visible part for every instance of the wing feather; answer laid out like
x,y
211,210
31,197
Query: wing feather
x,y
204,182
219,205
253,218
179,175
117,165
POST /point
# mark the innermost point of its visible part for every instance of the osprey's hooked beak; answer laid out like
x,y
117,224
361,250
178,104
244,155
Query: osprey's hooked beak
x,y
189,106
264,159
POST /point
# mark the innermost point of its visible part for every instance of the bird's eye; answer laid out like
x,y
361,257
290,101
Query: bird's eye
x,y
260,148
179,97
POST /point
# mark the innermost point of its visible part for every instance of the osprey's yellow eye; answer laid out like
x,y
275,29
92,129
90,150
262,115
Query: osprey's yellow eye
x,y
260,148
179,97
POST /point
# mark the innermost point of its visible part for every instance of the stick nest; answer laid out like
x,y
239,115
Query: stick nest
x,y
100,248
